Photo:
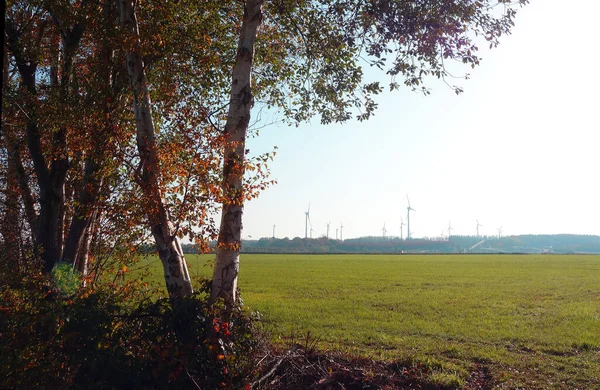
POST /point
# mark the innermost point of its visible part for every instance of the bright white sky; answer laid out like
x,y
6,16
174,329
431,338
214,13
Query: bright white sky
x,y
519,149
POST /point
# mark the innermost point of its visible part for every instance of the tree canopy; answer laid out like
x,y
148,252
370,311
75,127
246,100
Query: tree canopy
x,y
71,179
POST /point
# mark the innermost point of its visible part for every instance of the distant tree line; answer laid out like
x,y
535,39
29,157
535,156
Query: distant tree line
x,y
560,243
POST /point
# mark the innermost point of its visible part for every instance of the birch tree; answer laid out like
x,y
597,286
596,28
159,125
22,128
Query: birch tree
x,y
49,179
168,246
238,117
310,62
97,150
50,69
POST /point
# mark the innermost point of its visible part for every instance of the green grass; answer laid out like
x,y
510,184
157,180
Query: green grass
x,y
532,320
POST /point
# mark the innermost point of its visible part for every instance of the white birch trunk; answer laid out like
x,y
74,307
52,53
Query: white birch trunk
x,y
227,264
169,250
81,262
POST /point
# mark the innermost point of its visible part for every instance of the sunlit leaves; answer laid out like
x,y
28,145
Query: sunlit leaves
x,y
310,60
316,69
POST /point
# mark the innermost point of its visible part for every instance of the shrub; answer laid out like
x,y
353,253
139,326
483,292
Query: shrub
x,y
121,338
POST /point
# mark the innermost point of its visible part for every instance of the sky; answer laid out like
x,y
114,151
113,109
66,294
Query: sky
x,y
518,150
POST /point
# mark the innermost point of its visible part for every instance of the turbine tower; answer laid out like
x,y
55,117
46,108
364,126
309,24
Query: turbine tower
x,y
499,231
449,229
408,210
273,231
328,223
341,231
311,231
478,224
336,234
306,221
401,225
384,230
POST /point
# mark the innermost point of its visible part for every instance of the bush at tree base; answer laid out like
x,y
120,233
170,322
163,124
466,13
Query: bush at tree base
x,y
119,337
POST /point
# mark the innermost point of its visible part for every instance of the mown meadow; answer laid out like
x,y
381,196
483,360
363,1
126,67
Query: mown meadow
x,y
526,321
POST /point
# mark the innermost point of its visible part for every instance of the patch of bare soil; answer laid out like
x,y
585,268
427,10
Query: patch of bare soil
x,y
322,370
480,378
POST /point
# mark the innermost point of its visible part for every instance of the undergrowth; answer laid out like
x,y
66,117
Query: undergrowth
x,y
119,337
56,335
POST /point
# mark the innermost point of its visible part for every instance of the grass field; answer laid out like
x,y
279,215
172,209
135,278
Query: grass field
x,y
530,321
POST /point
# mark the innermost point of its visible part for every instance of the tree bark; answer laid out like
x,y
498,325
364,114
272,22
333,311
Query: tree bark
x,y
87,191
25,190
227,263
167,243
11,219
71,37
51,200
81,262
50,195
9,222
87,197
14,157
51,180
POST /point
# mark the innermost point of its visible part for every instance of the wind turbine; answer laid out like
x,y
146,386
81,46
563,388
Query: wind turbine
x,y
449,229
328,223
306,221
273,231
408,210
478,224
341,231
499,231
311,231
401,225
384,230
336,234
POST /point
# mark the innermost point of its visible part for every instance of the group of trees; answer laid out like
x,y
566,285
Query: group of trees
x,y
555,243
125,122
353,245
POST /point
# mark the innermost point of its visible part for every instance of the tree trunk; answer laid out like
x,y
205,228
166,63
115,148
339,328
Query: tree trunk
x,y
45,244
71,37
87,191
169,250
224,284
11,219
81,262
52,192
14,157
50,179
51,200
60,225
25,190
87,196
51,184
